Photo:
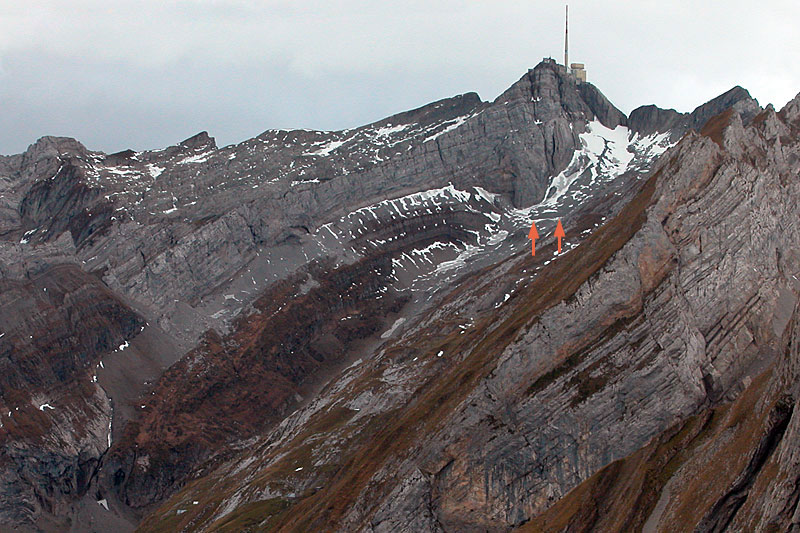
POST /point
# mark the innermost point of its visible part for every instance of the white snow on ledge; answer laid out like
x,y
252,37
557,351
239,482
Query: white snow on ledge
x,y
456,122
389,129
326,149
45,406
26,238
155,171
301,182
652,145
199,158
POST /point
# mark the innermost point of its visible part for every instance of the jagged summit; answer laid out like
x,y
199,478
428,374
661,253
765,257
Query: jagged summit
x,y
651,119
791,112
558,94
199,141
51,148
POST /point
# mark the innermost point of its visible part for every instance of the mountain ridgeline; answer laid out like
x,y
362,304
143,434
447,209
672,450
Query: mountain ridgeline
x,y
346,331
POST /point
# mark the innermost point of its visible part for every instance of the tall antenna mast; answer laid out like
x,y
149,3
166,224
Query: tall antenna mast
x,y
566,40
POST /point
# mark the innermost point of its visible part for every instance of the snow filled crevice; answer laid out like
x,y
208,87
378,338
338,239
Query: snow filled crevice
x,y
604,153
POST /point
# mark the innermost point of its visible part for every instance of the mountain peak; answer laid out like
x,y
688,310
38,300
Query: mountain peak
x,y
737,98
317,312
556,93
54,145
648,119
200,140
791,111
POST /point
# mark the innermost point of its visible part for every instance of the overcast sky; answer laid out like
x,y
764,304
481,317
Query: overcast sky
x,y
149,73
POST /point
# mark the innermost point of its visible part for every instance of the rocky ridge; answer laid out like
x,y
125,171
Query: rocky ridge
x,y
219,252
489,423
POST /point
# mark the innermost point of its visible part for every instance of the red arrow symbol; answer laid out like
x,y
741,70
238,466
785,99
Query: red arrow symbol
x,y
559,233
533,235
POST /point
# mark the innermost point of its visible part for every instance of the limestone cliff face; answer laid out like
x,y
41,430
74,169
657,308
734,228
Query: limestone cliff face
x,y
653,337
345,330
175,255
58,324
659,330
650,119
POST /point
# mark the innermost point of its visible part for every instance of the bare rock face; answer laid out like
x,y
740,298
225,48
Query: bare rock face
x,y
649,119
345,330
649,344
57,324
659,317
173,225
561,107
650,339
218,393
191,241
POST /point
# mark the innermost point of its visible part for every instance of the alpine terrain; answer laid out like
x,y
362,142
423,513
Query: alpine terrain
x,y
347,330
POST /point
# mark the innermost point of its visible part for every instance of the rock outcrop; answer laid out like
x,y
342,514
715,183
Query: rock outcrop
x,y
57,325
649,119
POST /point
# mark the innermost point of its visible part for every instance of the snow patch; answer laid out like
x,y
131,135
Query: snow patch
x,y
604,154
497,237
326,149
653,145
28,234
199,158
154,170
486,195
389,129
453,124
460,261
300,182
122,172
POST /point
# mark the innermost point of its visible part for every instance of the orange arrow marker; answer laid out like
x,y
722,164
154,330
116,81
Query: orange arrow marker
x,y
559,233
533,235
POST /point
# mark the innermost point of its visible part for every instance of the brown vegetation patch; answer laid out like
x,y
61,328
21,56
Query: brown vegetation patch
x,y
232,387
716,125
